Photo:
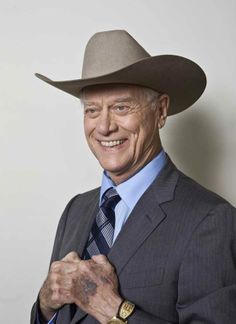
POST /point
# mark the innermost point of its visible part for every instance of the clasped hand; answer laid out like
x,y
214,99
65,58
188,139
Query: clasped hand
x,y
90,284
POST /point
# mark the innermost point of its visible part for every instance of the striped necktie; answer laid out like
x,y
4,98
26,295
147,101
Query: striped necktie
x,y
102,232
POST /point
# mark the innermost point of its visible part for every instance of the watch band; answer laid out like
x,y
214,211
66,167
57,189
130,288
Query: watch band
x,y
117,320
126,309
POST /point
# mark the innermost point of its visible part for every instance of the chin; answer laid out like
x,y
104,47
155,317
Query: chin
x,y
113,168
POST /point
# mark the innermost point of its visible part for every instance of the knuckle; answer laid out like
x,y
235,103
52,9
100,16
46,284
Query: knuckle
x,y
73,254
70,281
55,266
55,295
54,277
83,265
102,257
53,287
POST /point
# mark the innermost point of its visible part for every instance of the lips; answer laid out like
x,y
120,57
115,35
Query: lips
x,y
111,143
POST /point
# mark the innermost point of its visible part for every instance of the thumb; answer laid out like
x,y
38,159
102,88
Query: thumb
x,y
71,257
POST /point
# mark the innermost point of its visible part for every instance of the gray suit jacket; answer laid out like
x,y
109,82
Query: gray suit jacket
x,y
175,256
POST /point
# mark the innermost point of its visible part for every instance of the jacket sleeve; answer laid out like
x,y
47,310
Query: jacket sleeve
x,y
140,317
207,277
55,253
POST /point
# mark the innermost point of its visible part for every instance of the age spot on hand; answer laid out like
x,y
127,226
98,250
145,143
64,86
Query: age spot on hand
x,y
90,287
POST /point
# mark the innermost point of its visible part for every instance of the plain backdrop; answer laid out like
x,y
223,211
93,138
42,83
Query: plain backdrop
x,y
44,159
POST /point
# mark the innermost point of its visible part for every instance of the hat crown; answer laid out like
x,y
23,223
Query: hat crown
x,y
110,51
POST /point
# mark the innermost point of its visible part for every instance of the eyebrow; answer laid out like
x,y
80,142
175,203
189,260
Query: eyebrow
x,y
88,102
124,99
121,99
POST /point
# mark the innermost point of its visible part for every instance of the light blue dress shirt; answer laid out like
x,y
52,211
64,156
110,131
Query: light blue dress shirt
x,y
132,189
130,192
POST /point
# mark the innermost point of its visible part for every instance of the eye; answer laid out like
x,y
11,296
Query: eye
x,y
91,112
121,109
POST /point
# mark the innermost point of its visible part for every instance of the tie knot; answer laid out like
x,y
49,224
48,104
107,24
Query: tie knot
x,y
111,198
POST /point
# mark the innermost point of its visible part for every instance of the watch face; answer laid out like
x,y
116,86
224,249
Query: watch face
x,y
126,309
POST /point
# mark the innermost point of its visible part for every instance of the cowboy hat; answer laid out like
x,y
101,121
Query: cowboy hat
x,y
116,57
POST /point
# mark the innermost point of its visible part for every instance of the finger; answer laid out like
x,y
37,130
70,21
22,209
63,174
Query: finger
x,y
61,267
62,296
65,282
71,257
100,259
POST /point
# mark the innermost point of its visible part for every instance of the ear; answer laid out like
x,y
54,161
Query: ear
x,y
164,101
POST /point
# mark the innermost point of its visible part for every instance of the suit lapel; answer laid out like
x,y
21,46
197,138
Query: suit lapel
x,y
145,217
88,219
80,224
138,227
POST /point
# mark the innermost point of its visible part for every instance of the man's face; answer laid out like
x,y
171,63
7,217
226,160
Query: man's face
x,y
121,128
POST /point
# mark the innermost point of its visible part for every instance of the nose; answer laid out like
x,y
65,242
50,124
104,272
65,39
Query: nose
x,y
106,123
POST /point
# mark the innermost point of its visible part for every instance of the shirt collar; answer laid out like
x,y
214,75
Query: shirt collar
x,y
133,188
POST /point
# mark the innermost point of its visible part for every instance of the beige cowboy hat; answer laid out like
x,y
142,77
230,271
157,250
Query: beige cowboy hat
x,y
116,57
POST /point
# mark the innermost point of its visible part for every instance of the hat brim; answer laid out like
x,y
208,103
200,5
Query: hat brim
x,y
182,79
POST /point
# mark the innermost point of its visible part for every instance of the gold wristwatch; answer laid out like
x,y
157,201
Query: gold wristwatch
x,y
126,309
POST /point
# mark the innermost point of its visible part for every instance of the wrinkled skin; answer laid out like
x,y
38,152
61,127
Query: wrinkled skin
x,y
92,285
123,113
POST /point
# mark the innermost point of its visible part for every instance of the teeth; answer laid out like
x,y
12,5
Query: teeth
x,y
111,143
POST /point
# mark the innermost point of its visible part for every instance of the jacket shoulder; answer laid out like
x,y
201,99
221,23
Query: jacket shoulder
x,y
195,195
200,202
85,196
79,202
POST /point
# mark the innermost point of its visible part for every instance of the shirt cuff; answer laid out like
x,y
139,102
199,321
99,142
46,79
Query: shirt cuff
x,y
40,320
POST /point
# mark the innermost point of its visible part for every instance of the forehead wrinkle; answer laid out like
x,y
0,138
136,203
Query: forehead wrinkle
x,y
124,99
111,95
111,101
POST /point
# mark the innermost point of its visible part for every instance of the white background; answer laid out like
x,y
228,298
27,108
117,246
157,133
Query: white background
x,y
44,159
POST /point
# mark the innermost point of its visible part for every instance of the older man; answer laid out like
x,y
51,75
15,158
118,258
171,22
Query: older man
x,y
150,245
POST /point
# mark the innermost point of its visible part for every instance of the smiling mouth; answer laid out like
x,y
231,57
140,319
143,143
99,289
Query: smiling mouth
x,y
111,143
